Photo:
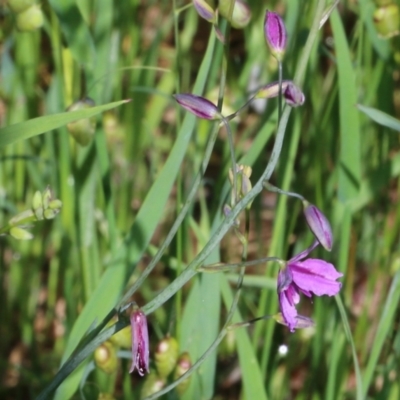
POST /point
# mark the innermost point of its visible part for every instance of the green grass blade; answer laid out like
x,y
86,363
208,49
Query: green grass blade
x,y
350,149
252,378
37,126
385,323
380,117
75,30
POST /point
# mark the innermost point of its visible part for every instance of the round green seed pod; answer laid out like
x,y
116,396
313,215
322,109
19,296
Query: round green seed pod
x,y
105,357
20,5
122,338
152,384
241,14
387,21
183,365
166,356
30,19
83,129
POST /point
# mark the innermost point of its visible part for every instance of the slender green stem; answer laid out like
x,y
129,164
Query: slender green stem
x,y
280,90
233,159
178,220
273,188
219,267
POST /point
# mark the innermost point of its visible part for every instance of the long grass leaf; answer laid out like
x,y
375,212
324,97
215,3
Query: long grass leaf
x,y
37,126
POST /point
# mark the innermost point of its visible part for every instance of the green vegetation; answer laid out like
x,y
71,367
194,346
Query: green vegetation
x,y
130,198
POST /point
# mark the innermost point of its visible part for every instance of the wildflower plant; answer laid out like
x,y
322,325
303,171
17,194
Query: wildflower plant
x,y
173,335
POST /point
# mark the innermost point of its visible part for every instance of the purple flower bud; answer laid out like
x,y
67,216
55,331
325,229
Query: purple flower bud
x,y
140,343
272,89
204,10
319,225
198,106
275,34
293,95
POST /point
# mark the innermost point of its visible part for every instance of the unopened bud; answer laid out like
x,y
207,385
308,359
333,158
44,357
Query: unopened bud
x,y
387,21
37,205
319,225
275,34
82,130
293,95
30,19
198,106
105,357
205,10
152,384
20,234
183,365
22,218
122,338
241,14
166,356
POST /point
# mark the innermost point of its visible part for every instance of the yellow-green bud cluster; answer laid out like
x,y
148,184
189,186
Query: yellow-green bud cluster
x,y
29,15
44,206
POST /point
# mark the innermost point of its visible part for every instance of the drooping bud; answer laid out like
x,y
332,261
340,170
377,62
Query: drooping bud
x,y
105,357
292,94
140,342
183,365
166,356
294,97
205,10
387,21
301,321
198,106
152,385
319,225
241,13
82,130
20,5
275,34
30,19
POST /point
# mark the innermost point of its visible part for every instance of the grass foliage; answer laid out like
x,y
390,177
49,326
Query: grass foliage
x,y
142,202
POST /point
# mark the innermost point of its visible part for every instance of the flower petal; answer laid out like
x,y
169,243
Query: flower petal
x,y
288,310
316,276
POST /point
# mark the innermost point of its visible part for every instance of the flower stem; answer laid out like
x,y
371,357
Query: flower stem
x,y
275,189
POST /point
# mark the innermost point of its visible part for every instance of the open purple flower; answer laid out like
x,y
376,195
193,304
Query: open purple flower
x,y
308,276
275,34
140,343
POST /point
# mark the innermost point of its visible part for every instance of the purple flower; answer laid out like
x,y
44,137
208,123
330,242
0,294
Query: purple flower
x,y
308,276
140,343
198,106
275,34
292,94
319,225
